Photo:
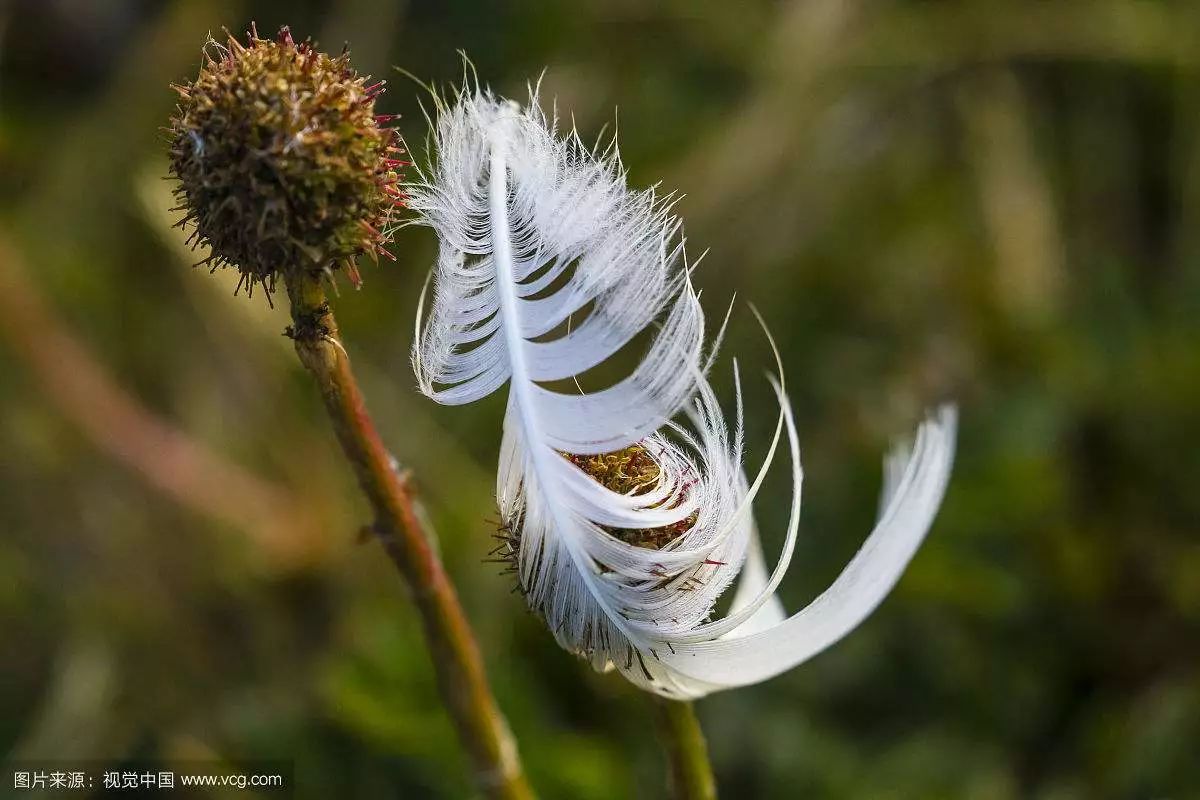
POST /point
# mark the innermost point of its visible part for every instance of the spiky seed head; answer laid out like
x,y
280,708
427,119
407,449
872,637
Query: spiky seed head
x,y
632,470
282,163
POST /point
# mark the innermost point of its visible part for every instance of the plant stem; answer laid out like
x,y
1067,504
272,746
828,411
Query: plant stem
x,y
681,735
400,528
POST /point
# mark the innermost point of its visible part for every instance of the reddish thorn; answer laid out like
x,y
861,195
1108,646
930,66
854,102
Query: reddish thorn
x,y
253,31
234,44
714,563
375,88
384,119
383,251
393,163
285,36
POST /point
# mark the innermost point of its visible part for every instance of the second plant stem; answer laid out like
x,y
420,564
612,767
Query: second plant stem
x,y
687,753
399,527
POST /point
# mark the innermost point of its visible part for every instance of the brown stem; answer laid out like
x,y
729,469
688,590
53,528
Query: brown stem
x,y
400,528
687,753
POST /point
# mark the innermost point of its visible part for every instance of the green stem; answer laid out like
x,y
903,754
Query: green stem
x,y
681,735
400,528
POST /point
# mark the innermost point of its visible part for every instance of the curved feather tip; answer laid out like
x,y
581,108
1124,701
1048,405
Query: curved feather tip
x,y
626,511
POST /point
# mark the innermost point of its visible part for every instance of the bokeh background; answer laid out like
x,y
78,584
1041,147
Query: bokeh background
x,y
993,202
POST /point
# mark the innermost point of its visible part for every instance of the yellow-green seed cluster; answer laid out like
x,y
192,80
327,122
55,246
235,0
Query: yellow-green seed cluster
x,y
281,161
631,471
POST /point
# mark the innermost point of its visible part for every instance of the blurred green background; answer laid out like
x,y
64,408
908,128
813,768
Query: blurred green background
x,y
994,202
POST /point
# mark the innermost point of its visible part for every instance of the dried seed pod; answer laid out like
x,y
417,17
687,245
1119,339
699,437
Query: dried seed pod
x,y
283,164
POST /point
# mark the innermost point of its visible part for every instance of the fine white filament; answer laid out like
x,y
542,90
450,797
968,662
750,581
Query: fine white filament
x,y
548,265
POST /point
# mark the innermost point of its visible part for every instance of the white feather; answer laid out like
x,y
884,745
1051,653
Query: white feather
x,y
535,231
